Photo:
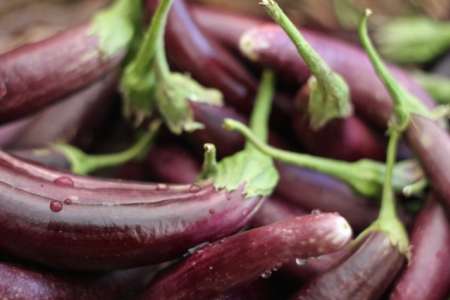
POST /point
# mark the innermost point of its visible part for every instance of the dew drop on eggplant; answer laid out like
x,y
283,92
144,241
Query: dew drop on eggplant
x,y
212,211
64,181
162,187
67,201
300,262
194,188
56,206
316,212
266,274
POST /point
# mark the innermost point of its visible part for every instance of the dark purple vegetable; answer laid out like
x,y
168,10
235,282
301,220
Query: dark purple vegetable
x,y
172,163
82,223
38,74
344,139
271,47
428,273
275,210
23,283
257,290
11,131
364,275
212,118
76,119
312,190
227,27
242,258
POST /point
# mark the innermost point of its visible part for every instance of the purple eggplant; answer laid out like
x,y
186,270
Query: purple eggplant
x,y
35,75
172,163
20,282
312,190
227,27
276,209
89,224
74,120
365,275
428,273
243,258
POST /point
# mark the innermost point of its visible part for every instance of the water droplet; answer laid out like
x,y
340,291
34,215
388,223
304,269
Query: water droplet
x,y
212,211
194,188
228,196
56,206
64,181
266,274
316,212
67,201
162,187
3,89
211,268
300,262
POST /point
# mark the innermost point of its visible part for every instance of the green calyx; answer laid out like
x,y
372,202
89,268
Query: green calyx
x,y
147,83
329,93
83,163
388,221
405,103
115,26
412,40
365,176
249,166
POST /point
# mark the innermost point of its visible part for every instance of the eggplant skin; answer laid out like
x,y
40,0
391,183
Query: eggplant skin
x,y
86,224
428,273
243,258
36,75
365,275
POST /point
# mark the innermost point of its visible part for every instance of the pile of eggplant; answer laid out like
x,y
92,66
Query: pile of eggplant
x,y
166,149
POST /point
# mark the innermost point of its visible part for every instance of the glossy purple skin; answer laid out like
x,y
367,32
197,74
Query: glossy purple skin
x,y
344,139
431,143
212,117
271,47
428,273
189,50
242,258
365,275
76,119
172,163
226,27
11,131
36,75
277,209
24,283
312,190
109,225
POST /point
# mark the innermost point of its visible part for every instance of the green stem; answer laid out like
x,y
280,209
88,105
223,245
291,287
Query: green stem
x,y
153,38
83,163
209,168
260,116
404,102
329,93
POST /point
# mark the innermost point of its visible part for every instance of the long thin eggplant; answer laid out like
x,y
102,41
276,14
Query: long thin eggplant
x,y
23,283
271,47
243,258
226,27
35,75
73,120
312,190
428,273
101,225
365,275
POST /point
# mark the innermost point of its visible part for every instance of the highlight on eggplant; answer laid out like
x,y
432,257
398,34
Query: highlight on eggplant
x,y
36,75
